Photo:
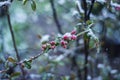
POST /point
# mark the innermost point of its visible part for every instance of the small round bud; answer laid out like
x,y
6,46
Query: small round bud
x,y
44,46
52,43
52,47
73,32
117,8
63,42
73,37
64,46
65,37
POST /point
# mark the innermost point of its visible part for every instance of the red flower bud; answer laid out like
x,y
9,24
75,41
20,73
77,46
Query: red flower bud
x,y
65,37
63,42
52,43
64,46
52,47
117,8
44,46
73,37
73,32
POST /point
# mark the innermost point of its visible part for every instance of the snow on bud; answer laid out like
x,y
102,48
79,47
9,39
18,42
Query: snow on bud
x,y
73,37
115,5
67,36
73,32
44,46
117,8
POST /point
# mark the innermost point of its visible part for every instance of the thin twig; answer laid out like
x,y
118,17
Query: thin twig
x,y
91,7
85,10
86,49
13,37
14,43
2,38
55,17
81,33
31,59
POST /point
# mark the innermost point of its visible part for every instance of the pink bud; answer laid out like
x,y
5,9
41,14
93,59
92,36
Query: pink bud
x,y
117,8
64,46
44,46
52,43
63,42
65,37
52,47
73,37
73,32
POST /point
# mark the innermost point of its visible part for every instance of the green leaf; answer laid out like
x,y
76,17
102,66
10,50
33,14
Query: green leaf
x,y
11,59
27,64
24,2
33,5
15,74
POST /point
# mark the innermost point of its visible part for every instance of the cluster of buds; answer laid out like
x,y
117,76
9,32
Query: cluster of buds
x,y
64,43
64,40
48,46
68,37
53,44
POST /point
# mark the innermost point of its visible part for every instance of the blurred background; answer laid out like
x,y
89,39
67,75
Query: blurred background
x,y
32,27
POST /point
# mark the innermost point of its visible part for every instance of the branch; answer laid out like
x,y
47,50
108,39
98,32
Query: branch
x,y
67,52
2,42
14,43
55,16
30,59
86,41
81,33
13,37
85,10
91,7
